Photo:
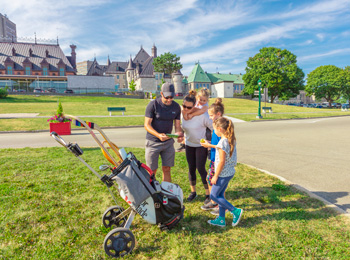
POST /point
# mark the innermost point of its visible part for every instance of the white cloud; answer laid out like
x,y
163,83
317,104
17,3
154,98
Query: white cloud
x,y
345,51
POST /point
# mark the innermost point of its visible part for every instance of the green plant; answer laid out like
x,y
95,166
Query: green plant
x,y
59,116
3,93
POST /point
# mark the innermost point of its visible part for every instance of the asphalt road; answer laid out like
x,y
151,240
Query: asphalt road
x,y
313,153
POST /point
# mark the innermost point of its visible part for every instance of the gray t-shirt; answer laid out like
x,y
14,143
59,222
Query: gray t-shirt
x,y
163,117
230,161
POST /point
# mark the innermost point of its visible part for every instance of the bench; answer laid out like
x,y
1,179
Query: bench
x,y
110,109
267,108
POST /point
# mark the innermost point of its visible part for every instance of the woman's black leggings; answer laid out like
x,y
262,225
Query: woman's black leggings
x,y
196,159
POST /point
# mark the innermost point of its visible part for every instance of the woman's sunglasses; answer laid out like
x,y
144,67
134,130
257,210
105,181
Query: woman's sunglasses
x,y
186,107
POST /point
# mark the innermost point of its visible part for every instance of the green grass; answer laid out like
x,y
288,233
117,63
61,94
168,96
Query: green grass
x,y
51,208
86,105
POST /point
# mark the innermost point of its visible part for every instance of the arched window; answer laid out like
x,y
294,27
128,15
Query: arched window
x,y
45,73
61,71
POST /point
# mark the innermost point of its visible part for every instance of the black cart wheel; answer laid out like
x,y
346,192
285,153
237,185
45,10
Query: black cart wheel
x,y
110,219
119,242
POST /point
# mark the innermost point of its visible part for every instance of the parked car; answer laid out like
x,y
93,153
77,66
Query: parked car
x,y
310,105
179,94
51,90
38,90
336,105
69,91
119,93
19,90
345,106
318,106
107,93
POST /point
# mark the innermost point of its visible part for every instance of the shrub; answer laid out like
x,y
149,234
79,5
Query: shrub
x,y
3,93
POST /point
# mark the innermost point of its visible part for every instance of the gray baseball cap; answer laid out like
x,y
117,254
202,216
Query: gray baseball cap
x,y
168,89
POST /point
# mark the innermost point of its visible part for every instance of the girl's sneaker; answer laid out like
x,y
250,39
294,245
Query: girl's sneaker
x,y
237,214
209,206
219,221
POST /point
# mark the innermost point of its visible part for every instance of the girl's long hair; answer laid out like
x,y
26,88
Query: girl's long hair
x,y
228,127
217,106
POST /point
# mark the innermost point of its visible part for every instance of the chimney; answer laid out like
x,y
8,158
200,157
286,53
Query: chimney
x,y
74,56
154,51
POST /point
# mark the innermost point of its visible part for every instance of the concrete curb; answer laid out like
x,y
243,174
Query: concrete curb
x,y
302,118
309,193
73,129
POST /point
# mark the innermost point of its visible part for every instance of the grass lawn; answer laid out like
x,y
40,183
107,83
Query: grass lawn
x,y
51,208
85,105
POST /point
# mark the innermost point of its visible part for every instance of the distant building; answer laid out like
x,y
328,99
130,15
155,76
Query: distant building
x,y
8,31
219,85
32,65
140,69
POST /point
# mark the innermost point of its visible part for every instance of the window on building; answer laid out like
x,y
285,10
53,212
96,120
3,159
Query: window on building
x,y
200,85
160,76
156,76
196,85
117,76
45,73
158,87
9,70
241,87
61,71
28,71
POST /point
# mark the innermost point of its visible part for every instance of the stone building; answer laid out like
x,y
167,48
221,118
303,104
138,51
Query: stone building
x,y
140,69
33,65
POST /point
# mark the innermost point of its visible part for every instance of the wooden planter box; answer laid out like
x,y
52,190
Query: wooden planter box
x,y
61,128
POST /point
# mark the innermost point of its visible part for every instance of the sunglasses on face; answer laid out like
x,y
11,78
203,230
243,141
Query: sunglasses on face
x,y
186,107
170,97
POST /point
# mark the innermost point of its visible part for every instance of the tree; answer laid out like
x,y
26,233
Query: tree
x,y
132,85
167,63
345,76
278,72
325,82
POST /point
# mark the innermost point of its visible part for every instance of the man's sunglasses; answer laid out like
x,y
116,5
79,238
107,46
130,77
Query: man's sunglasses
x,y
170,97
186,107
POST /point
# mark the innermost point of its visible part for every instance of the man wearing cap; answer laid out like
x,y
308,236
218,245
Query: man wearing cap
x,y
160,116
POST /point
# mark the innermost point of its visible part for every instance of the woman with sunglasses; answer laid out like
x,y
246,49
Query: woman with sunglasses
x,y
196,155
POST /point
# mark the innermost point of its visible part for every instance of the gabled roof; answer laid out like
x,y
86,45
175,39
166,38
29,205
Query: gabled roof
x,y
141,56
117,66
198,75
38,54
147,67
218,77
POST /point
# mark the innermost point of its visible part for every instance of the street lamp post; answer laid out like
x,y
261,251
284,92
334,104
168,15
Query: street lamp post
x,y
259,111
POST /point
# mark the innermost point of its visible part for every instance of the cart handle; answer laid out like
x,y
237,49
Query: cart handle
x,y
59,139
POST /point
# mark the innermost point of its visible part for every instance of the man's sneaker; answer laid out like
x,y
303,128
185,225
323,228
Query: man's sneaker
x,y
192,196
237,214
209,206
207,199
216,211
181,148
219,221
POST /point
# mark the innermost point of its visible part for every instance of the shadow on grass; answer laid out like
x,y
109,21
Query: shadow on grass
x,y
28,99
275,203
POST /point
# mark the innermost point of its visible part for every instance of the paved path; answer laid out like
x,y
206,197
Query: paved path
x,y
313,153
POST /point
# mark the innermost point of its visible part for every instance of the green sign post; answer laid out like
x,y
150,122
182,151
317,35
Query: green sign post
x,y
259,111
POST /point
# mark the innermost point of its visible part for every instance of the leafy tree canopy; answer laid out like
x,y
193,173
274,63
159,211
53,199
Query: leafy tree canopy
x,y
325,82
167,63
346,82
278,72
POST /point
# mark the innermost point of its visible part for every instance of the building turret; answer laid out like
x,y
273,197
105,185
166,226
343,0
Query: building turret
x,y
177,79
74,56
154,51
129,72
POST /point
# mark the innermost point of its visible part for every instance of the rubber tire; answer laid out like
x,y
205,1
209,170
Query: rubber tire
x,y
109,217
119,242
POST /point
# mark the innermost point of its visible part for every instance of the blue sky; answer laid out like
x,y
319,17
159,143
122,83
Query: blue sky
x,y
221,35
